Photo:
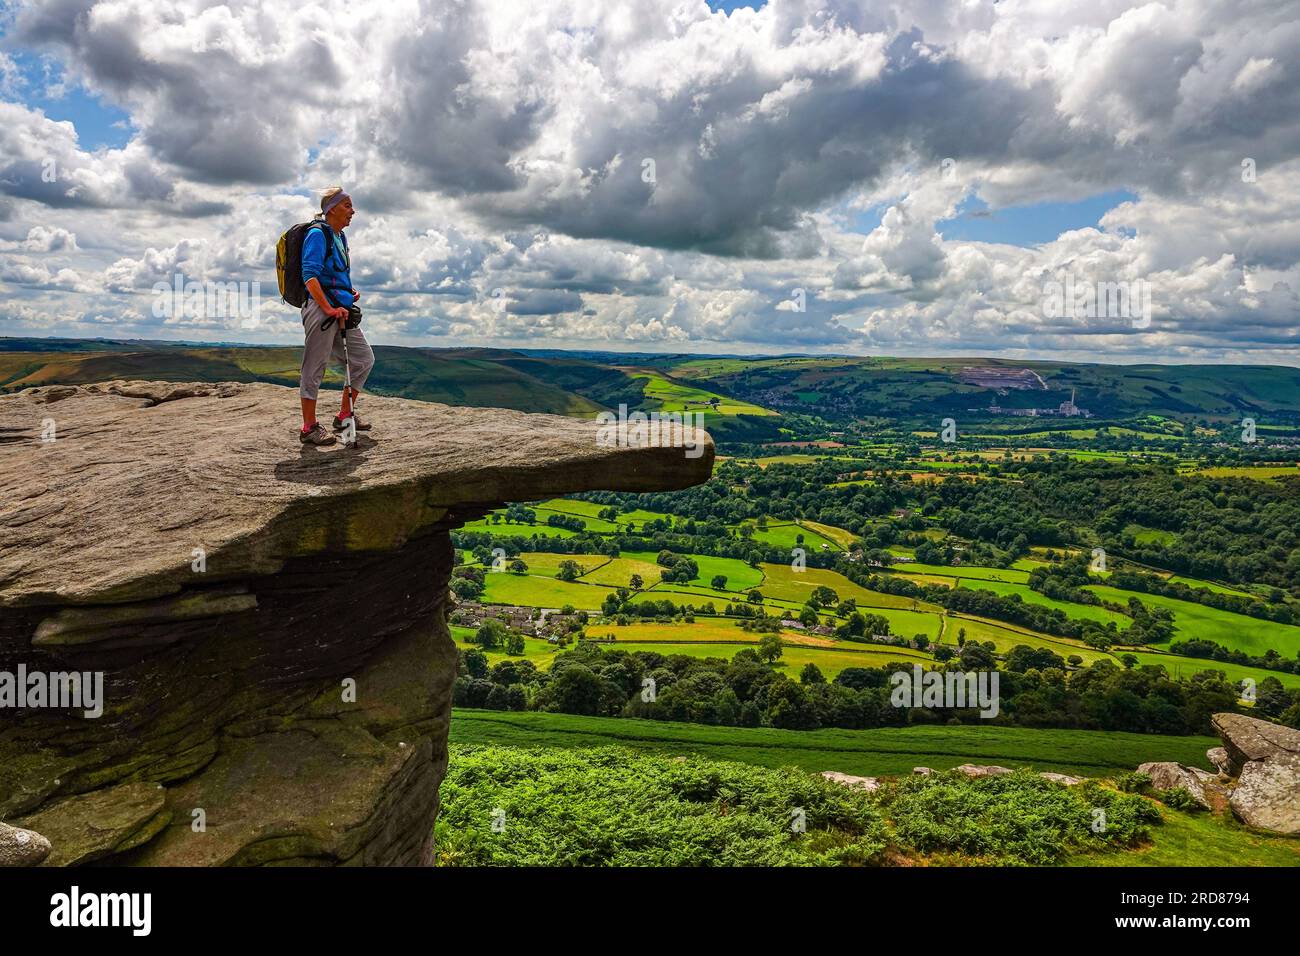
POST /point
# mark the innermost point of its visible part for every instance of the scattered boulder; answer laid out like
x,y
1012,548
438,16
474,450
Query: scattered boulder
x,y
1267,795
922,771
979,770
861,783
1259,773
1064,779
20,847
1166,775
1219,757
1248,738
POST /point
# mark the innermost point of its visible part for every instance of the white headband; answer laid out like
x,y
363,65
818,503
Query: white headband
x,y
334,200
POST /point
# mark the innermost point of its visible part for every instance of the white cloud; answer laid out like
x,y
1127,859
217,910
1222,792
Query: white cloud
x,y
497,146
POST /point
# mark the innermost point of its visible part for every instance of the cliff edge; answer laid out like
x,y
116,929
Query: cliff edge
x,y
260,625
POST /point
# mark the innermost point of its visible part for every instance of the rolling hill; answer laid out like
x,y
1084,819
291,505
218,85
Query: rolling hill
x,y
742,398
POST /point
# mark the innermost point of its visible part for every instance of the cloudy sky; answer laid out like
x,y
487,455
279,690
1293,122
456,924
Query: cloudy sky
x,y
905,177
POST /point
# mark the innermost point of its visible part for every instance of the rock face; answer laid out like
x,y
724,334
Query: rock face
x,y
1266,759
1167,775
267,619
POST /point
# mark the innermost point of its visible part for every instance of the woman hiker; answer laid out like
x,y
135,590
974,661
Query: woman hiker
x,y
326,274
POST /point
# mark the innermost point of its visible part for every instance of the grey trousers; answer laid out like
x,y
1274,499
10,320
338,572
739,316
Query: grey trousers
x,y
320,346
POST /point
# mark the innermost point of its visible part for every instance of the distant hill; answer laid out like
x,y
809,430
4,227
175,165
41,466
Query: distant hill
x,y
894,388
741,398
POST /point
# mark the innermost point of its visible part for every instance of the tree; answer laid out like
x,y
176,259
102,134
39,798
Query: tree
x,y
719,582
476,663
465,589
576,689
808,617
823,596
514,644
755,596
976,657
491,634
771,647
568,571
854,626
811,674
635,582
517,566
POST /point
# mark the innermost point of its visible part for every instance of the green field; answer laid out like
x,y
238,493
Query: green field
x,y
1007,636
784,583
617,572
1085,612
682,595
1261,473
836,535
1208,586
538,650
789,535
858,752
504,530
535,590
670,395
1185,667
740,576
972,571
1151,535
590,523
547,564
705,630
1233,631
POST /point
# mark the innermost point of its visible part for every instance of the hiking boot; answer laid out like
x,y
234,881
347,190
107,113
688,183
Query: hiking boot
x,y
342,423
316,435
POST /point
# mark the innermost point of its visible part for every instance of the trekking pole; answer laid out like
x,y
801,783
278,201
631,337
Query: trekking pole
x,y
350,427
349,432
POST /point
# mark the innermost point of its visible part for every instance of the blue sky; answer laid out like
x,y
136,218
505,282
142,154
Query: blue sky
x,y
99,124
1028,225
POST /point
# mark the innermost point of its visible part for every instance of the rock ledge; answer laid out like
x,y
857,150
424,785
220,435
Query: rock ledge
x,y
268,619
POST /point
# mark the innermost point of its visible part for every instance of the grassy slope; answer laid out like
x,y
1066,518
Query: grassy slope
x,y
1233,631
1085,612
1199,839
859,752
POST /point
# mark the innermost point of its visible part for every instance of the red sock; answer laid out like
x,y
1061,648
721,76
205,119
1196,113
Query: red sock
x,y
307,428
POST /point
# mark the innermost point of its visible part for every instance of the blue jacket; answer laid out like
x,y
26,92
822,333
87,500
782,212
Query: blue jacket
x,y
333,270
